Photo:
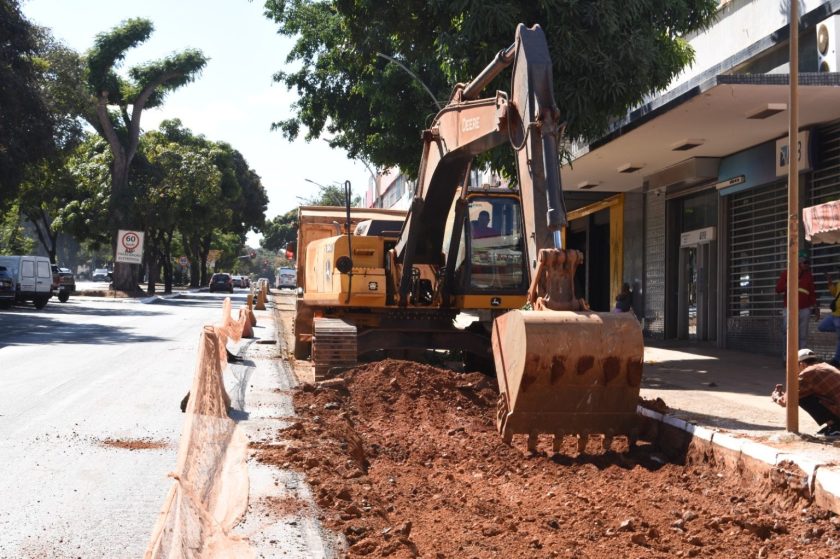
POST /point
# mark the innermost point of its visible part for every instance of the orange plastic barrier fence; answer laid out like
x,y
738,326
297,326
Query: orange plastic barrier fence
x,y
210,493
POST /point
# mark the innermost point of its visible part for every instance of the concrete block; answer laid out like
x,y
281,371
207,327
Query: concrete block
x,y
827,488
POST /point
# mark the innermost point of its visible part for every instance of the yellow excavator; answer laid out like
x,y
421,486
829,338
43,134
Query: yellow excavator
x,y
378,281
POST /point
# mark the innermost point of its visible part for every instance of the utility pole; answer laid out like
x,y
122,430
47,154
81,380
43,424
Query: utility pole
x,y
792,364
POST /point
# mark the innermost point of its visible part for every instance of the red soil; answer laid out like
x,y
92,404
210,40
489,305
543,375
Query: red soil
x,y
405,461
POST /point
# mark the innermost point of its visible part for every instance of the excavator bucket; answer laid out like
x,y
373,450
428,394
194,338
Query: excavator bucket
x,y
567,373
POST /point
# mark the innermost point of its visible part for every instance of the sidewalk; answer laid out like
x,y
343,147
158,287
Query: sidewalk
x,y
722,397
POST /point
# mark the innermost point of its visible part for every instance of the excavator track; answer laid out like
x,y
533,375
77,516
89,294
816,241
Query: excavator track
x,y
333,346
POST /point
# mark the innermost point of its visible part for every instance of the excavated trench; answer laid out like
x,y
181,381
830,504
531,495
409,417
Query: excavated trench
x,y
405,461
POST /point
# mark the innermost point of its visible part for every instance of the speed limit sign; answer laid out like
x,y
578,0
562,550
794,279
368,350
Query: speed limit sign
x,y
129,247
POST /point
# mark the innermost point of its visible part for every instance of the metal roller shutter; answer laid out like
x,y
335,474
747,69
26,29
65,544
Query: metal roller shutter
x,y
825,187
757,224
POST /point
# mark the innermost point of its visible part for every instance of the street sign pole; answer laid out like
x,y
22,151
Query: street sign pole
x,y
792,363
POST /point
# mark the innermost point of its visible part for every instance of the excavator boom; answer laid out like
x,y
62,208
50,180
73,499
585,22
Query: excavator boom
x,y
562,370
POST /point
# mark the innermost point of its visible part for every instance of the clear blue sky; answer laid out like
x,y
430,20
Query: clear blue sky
x,y
234,100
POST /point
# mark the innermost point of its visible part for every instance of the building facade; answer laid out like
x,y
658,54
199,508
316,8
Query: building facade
x,y
685,197
702,169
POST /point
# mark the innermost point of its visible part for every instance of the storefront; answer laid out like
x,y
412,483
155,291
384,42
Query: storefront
x,y
756,210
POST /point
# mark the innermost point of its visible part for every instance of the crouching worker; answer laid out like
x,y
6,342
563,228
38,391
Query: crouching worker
x,y
819,392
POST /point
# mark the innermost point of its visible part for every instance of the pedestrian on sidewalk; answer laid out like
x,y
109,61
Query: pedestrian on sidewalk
x,y
819,392
807,297
831,323
624,300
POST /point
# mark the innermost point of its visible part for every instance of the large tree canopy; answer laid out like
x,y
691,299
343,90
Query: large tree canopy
x,y
145,86
26,126
607,55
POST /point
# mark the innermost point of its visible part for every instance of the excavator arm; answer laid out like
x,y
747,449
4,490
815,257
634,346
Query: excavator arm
x,y
469,126
561,371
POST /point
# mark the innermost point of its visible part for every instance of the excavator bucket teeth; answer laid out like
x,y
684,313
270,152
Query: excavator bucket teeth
x,y
567,373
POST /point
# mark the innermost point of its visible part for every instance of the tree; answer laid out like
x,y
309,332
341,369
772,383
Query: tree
x,y
48,185
86,215
240,206
176,185
607,55
13,239
26,126
280,231
145,87
283,229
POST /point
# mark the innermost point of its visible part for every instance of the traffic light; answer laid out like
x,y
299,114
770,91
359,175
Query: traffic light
x,y
253,253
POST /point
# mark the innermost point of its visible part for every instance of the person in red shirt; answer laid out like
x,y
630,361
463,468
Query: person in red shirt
x,y
807,297
819,392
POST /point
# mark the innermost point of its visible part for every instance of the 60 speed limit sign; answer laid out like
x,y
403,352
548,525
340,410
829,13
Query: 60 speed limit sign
x,y
129,247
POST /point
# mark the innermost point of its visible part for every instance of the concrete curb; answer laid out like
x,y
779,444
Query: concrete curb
x,y
751,459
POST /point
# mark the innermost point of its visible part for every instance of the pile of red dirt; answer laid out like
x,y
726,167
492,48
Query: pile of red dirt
x,y
405,461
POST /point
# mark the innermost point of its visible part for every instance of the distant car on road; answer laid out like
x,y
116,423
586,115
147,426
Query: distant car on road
x,y
221,282
241,281
286,277
63,283
7,288
101,274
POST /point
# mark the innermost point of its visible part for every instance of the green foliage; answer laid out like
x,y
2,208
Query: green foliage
x,y
607,55
26,126
280,231
242,193
48,186
13,239
62,84
154,78
108,53
85,215
332,195
283,229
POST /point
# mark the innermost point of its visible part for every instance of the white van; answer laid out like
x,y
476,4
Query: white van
x,y
32,276
285,277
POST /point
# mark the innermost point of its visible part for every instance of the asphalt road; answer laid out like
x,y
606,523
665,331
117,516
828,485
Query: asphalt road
x,y
73,377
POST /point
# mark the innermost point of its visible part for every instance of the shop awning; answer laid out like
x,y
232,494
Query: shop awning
x,y
822,222
711,119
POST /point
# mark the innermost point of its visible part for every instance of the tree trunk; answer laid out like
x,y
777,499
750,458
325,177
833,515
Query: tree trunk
x,y
125,275
153,255
167,262
204,251
191,247
46,236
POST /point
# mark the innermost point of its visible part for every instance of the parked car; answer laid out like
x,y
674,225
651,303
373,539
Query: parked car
x,y
221,282
64,283
101,274
238,281
286,277
7,288
32,276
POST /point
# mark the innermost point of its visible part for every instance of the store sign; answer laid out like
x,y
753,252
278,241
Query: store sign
x,y
803,153
734,181
697,237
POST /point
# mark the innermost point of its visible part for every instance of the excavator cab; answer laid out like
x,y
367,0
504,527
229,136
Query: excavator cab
x,y
489,252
